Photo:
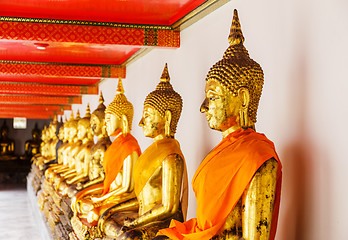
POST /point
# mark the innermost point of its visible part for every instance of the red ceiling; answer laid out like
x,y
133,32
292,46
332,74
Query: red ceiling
x,y
65,52
155,12
85,41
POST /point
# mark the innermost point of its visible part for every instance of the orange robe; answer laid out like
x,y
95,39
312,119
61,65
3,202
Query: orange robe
x,y
113,159
220,181
117,152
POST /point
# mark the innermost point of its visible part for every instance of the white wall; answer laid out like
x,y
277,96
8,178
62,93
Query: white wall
x,y
302,47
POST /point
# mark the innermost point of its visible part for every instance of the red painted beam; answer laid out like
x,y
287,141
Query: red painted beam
x,y
30,107
59,71
28,116
40,100
46,89
24,112
51,30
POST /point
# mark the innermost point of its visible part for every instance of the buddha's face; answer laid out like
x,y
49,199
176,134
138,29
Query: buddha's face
x,y
66,131
72,132
220,106
95,125
112,123
81,131
35,135
152,122
51,131
4,133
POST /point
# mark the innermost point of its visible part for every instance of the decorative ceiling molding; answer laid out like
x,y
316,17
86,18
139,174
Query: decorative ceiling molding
x,y
58,73
77,33
47,89
37,115
40,100
31,107
79,22
61,69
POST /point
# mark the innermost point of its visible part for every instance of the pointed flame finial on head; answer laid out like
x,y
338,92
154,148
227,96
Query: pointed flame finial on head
x,y
78,115
236,35
101,98
120,87
72,115
55,118
165,74
88,111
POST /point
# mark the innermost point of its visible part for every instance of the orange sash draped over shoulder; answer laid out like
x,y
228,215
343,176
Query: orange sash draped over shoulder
x,y
220,181
117,152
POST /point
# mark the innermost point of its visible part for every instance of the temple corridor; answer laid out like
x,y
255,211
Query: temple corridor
x,y
16,217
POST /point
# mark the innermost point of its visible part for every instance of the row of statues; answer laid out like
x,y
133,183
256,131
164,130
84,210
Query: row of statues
x,y
6,144
115,191
31,146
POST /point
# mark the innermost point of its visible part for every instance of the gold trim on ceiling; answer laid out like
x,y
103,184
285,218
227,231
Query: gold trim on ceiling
x,y
198,13
78,22
66,64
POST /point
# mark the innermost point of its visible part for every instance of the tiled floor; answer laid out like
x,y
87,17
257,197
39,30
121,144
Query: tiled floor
x,y
16,217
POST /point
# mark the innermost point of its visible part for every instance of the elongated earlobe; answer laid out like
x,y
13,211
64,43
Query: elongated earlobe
x,y
244,96
125,129
168,119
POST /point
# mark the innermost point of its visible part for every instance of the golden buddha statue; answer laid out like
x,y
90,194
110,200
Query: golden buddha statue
x,y
49,144
96,171
82,155
53,140
118,162
43,148
55,174
63,136
69,153
238,184
32,146
159,173
6,144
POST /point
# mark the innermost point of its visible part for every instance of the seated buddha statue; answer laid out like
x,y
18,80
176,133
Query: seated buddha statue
x,y
32,146
6,144
38,159
118,162
53,140
64,137
49,143
82,156
96,173
237,185
69,153
56,173
159,173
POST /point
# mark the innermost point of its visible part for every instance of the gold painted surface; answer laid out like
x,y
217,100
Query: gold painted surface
x,y
6,144
96,172
91,204
32,146
232,93
82,156
159,200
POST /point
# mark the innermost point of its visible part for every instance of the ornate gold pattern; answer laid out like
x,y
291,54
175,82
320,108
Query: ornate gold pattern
x,y
78,22
165,98
237,69
120,105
